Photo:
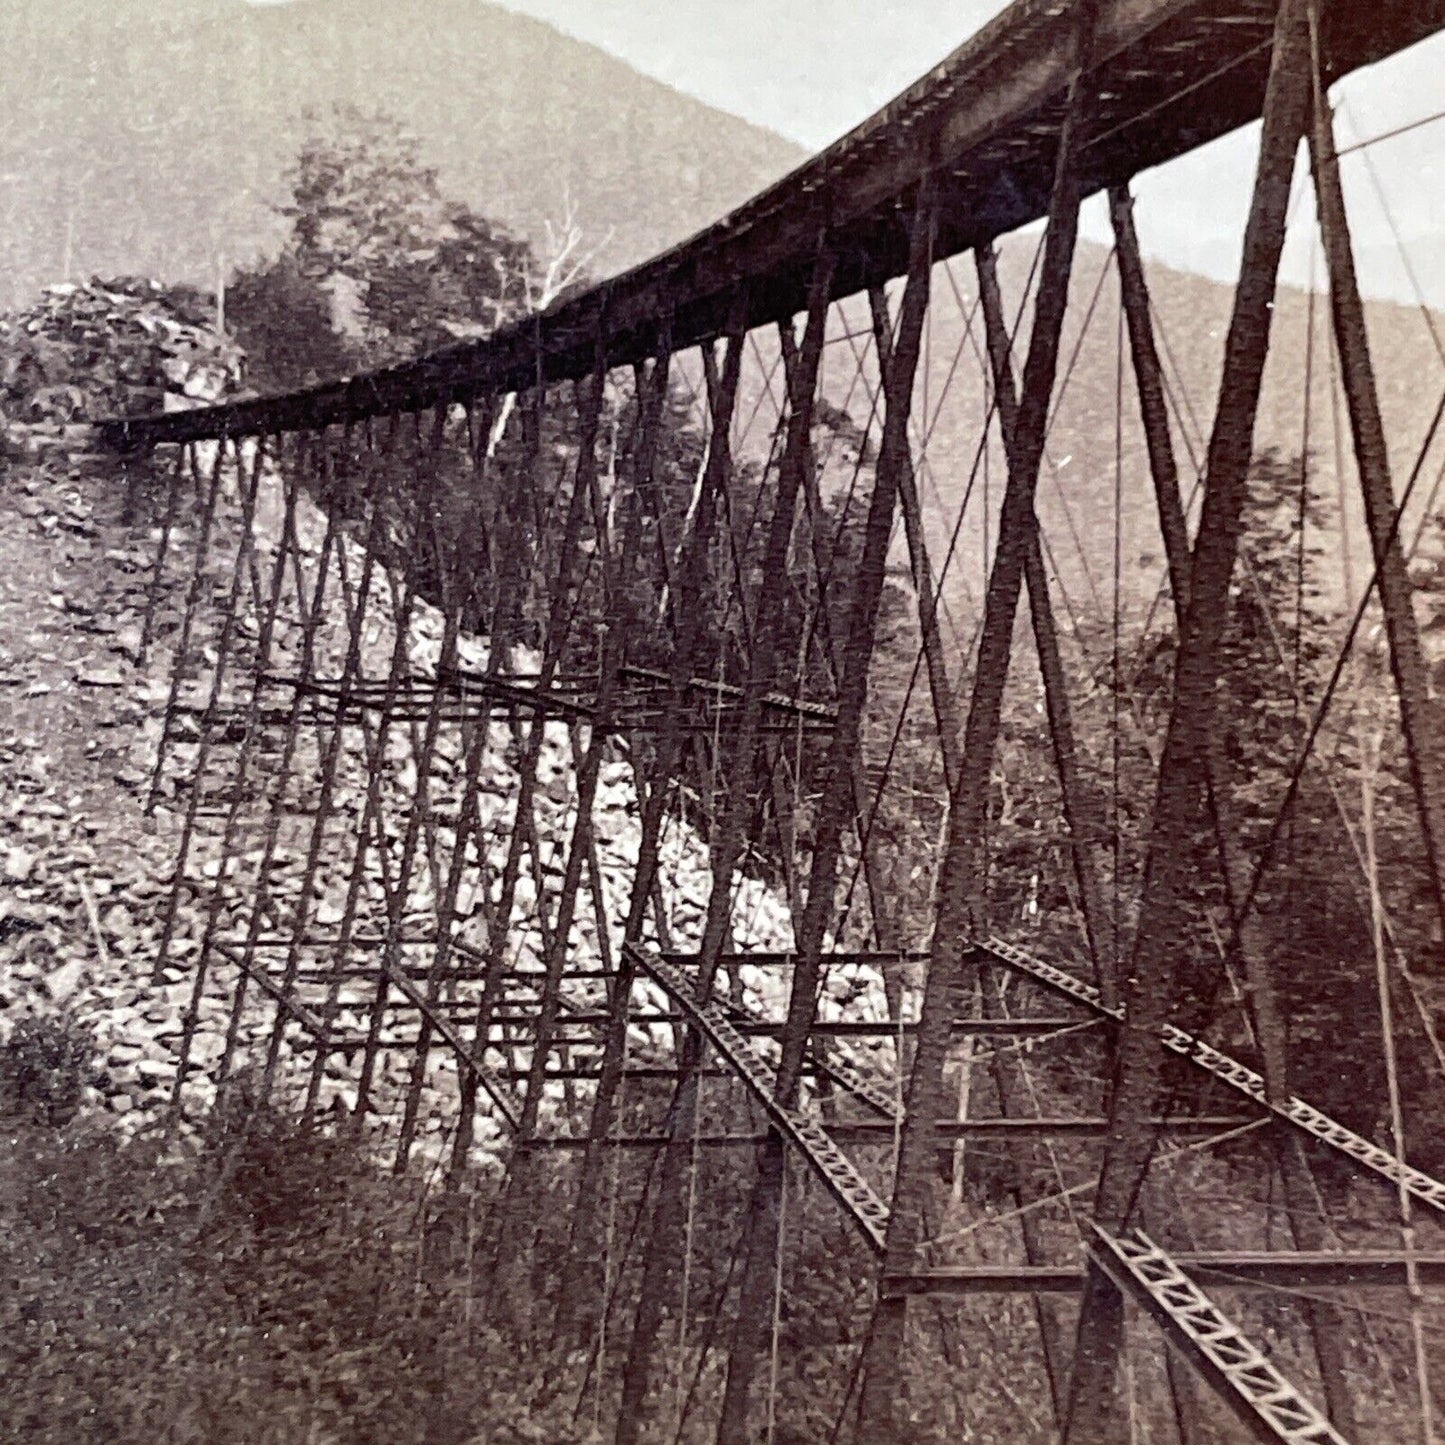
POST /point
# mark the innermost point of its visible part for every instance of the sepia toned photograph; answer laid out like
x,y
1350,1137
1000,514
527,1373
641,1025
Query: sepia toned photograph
x,y
722,724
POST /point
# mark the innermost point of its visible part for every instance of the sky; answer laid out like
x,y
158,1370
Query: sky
x,y
812,69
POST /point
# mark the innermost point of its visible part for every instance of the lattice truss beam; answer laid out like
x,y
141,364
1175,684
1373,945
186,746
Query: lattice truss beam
x,y
1270,1407
623,777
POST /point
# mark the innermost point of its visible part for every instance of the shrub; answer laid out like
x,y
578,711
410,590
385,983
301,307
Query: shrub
x,y
45,1067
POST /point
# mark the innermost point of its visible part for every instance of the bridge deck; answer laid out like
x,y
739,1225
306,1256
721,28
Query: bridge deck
x,y
1173,74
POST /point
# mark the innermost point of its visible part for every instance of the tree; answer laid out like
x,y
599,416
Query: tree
x,y
282,319
380,265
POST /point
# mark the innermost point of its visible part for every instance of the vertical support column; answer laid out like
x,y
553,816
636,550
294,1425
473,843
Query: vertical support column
x,y
411,578
945,701
833,648
1301,1199
158,571
364,882
521,551
482,556
246,493
618,567
500,560
1420,714
586,787
1149,378
652,401
309,607
210,491
1160,976
1082,812
726,845
473,744
837,809
241,788
961,885
330,780
726,848
465,562
558,620
948,719
178,667
517,1193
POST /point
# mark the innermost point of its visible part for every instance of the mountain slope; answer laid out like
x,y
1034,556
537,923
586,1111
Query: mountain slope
x,y
154,135
1077,484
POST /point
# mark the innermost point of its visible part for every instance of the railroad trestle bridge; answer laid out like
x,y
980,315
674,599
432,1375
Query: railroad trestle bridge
x,y
541,795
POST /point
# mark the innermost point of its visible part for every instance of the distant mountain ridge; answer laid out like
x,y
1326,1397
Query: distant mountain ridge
x,y
154,135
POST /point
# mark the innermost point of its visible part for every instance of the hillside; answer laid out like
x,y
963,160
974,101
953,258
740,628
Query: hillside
x,y
1076,497
153,135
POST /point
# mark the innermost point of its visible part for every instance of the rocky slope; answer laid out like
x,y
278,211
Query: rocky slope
x,y
86,871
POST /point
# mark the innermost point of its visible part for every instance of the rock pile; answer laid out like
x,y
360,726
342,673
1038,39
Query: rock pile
x,y
111,348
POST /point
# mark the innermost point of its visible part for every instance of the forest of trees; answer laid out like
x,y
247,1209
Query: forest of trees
x,y
379,264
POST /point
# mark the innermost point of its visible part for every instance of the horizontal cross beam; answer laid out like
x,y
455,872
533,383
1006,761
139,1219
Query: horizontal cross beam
x,y
1043,1128
869,1131
1240,1269
837,1028
784,959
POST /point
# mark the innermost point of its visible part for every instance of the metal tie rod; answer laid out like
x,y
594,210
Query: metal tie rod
x,y
473,1063
1238,1076
1266,1403
867,1211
